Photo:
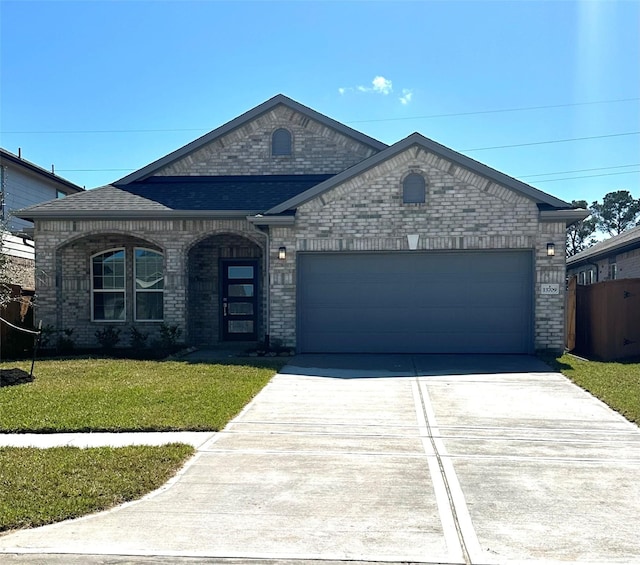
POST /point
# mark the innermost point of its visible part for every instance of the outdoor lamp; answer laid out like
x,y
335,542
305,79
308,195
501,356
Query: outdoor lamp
x,y
551,249
282,253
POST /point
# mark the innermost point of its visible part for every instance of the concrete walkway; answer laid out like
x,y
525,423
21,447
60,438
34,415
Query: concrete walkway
x,y
432,459
104,439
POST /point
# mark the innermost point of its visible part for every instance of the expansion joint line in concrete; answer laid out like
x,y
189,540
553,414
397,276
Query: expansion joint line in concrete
x,y
443,475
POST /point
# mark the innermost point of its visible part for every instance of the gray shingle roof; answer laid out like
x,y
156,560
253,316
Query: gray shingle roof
x,y
223,195
417,139
626,241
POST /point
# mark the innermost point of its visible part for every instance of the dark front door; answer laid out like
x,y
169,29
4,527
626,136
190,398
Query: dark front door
x,y
239,298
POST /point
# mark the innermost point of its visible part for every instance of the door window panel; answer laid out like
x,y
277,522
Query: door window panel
x,y
240,272
240,326
240,308
240,290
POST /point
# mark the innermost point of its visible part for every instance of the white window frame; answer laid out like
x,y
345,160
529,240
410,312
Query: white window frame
x,y
136,290
582,278
123,290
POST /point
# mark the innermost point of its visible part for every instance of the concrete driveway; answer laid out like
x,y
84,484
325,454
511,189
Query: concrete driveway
x,y
434,459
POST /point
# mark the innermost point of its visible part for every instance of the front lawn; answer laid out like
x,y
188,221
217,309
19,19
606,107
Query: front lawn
x,y
81,395
616,384
41,486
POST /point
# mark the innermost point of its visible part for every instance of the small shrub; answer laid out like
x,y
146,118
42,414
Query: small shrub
x,y
138,338
46,336
108,337
65,343
169,336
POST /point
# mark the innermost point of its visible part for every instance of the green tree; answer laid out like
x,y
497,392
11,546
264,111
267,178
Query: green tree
x,y
618,211
580,234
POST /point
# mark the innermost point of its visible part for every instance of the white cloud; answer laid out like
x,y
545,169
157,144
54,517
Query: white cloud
x,y
382,85
407,95
379,85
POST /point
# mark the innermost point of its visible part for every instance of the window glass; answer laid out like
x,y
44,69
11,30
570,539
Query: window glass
x,y
149,284
240,326
240,272
414,189
108,306
108,285
241,308
281,142
149,273
149,306
240,290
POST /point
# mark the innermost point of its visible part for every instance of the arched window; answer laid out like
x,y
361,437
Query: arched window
x,y
281,142
149,284
413,189
108,293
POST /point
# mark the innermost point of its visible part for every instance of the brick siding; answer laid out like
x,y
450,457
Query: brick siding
x,y
463,211
316,149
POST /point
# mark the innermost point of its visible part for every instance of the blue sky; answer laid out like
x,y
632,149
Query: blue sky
x,y
103,88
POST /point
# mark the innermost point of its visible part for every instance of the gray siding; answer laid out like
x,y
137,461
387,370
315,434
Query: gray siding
x,y
23,189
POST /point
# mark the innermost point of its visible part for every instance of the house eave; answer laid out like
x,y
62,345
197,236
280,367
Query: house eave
x,y
133,214
260,220
569,216
599,255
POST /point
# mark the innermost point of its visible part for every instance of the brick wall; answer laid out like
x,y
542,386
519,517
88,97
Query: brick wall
x,y
64,249
204,284
462,211
316,149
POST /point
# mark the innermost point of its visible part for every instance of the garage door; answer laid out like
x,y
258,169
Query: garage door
x,y
451,302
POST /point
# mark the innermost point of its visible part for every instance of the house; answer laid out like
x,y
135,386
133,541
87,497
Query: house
x,y
286,225
615,258
23,184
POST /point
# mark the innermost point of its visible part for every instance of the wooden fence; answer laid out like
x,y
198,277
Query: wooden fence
x,y
14,343
603,319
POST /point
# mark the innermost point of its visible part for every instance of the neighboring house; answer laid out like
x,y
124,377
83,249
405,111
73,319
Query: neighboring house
x,y
615,258
286,224
24,184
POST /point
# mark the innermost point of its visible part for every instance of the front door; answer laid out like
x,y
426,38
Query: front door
x,y
239,297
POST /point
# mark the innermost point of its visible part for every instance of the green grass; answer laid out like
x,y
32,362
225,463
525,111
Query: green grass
x,y
616,384
76,395
41,486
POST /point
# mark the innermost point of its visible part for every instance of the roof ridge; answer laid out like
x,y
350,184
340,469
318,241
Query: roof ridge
x,y
242,119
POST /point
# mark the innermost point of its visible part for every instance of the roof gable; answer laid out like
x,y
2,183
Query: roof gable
x,y
419,141
242,120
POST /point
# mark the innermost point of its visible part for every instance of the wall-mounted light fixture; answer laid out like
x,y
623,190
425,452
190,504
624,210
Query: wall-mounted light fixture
x,y
282,253
551,249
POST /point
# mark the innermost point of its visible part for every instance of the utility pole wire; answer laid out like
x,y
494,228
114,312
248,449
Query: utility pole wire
x,y
553,141
455,114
